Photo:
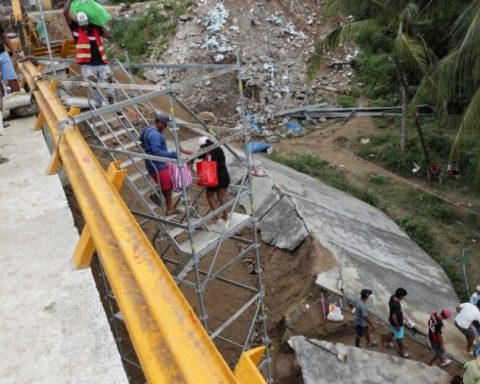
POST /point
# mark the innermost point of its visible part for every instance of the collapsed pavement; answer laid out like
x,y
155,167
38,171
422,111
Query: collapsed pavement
x,y
368,248
320,364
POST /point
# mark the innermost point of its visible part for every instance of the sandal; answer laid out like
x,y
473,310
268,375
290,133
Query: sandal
x,y
372,344
389,345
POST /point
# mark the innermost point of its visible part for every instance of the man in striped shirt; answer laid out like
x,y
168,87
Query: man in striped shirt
x,y
91,53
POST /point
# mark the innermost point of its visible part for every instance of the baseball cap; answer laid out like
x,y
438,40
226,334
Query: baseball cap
x,y
446,313
202,140
82,19
162,117
365,293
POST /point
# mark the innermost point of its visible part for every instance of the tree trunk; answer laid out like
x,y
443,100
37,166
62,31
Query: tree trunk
x,y
404,128
402,77
422,139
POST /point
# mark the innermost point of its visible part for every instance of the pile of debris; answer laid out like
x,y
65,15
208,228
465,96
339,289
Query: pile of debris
x,y
276,40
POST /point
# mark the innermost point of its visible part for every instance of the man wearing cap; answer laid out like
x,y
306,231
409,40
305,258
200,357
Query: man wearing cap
x,y
91,52
362,319
468,314
154,143
475,298
435,329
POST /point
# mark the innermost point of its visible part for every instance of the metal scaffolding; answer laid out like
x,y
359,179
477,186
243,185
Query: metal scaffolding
x,y
201,254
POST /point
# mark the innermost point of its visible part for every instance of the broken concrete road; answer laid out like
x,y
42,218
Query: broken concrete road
x,y
320,365
370,250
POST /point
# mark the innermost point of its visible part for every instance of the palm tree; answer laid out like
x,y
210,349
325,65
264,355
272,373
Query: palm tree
x,y
410,52
457,75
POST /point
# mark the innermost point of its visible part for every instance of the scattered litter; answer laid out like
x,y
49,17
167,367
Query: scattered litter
x,y
293,126
365,141
334,313
290,29
275,19
253,122
218,57
234,28
416,167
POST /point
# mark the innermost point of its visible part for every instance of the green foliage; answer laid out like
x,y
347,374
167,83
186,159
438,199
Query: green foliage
x,y
324,171
134,35
379,74
346,101
418,230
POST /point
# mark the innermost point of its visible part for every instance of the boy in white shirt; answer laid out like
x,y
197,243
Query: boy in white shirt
x,y
467,314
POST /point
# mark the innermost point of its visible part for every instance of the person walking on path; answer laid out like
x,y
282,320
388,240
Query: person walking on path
x,y
91,51
217,195
397,330
467,314
362,319
471,369
154,143
475,298
6,65
435,330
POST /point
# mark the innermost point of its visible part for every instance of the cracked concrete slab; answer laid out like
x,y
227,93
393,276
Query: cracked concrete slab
x,y
319,363
369,248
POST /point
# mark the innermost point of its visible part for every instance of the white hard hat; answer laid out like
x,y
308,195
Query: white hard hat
x,y
82,19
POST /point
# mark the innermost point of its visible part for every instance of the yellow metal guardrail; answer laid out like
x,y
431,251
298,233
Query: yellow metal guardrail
x,y
170,342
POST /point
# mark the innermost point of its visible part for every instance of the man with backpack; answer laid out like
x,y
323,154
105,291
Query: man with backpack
x,y
154,143
435,330
91,52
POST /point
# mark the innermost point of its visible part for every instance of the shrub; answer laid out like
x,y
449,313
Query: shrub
x,y
346,101
419,231
379,74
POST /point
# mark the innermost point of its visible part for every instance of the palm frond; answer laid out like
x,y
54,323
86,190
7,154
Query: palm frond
x,y
411,52
466,36
408,15
470,124
350,32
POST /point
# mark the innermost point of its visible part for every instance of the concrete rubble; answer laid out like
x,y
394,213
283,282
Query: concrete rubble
x,y
320,365
274,69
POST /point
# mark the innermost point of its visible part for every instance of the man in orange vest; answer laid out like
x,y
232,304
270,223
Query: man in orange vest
x,y
91,53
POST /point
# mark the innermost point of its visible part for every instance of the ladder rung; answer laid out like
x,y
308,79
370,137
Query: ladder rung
x,y
129,162
175,232
117,133
136,176
129,145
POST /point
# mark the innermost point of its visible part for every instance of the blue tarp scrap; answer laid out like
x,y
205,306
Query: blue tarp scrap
x,y
294,126
253,122
257,147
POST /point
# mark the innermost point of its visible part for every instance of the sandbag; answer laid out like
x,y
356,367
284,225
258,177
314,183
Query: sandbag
x,y
80,102
15,100
25,111
96,13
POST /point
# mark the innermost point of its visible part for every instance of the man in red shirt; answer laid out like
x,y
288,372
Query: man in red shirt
x,y
435,329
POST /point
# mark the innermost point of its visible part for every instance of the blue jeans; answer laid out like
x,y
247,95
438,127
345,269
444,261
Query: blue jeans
x,y
6,67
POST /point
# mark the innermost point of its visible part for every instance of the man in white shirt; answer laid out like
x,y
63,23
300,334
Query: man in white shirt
x,y
467,314
475,298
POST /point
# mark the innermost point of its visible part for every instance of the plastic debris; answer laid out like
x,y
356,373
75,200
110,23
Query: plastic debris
x,y
293,126
258,147
216,18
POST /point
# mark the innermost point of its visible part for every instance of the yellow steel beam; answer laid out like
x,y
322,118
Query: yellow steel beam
x,y
82,256
168,338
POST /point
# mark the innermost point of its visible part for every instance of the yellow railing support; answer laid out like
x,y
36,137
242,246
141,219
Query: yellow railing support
x,y
246,370
170,342
82,256
55,162
39,122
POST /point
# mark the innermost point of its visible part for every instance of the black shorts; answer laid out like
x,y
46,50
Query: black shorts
x,y
469,333
360,331
438,349
223,181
